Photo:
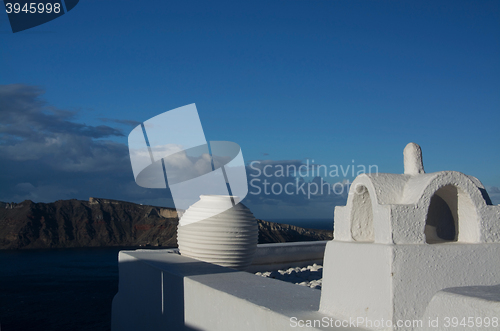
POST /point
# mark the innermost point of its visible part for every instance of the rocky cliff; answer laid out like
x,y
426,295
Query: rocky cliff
x,y
103,222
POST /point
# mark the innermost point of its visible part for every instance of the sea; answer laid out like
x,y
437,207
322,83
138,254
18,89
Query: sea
x,y
57,289
68,289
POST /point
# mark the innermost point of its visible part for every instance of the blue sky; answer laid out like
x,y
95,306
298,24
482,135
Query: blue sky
x,y
333,81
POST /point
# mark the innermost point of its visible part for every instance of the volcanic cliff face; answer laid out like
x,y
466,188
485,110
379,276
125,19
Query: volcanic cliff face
x,y
101,222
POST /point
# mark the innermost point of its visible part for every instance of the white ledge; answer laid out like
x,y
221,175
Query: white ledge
x,y
161,290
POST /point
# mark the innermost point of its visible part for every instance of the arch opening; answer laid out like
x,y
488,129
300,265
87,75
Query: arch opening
x,y
452,216
441,224
362,216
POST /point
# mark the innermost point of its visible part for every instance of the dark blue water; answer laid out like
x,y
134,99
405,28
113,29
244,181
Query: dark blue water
x,y
315,223
70,289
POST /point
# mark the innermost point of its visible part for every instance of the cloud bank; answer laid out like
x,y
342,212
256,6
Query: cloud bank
x,y
47,155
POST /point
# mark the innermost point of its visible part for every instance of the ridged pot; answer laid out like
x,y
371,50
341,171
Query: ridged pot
x,y
216,231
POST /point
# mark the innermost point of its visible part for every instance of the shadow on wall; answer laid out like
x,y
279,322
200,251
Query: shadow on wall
x,y
448,206
164,292
440,215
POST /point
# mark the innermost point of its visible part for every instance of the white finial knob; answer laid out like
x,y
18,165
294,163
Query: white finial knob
x,y
413,159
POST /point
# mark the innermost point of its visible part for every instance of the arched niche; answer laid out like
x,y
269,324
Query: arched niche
x,y
451,217
362,215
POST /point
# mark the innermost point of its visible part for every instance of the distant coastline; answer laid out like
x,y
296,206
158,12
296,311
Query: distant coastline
x,y
308,223
112,223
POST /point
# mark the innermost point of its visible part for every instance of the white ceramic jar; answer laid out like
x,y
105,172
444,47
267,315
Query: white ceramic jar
x,y
216,231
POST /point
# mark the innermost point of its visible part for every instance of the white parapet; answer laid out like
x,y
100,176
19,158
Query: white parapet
x,y
161,290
